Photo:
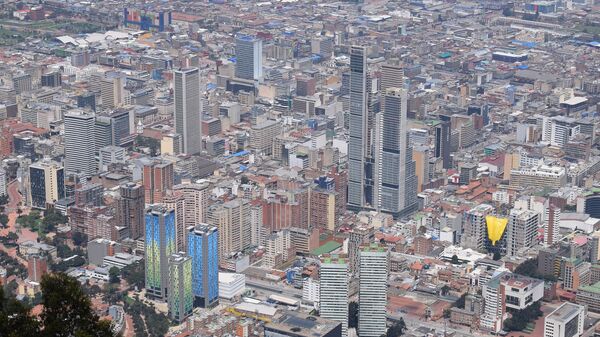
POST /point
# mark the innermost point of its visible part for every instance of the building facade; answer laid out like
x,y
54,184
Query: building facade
x,y
159,246
202,246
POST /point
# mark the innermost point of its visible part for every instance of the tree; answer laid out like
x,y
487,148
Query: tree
x,y
4,199
445,290
397,329
4,220
454,259
134,274
67,310
497,256
353,315
15,318
79,238
113,275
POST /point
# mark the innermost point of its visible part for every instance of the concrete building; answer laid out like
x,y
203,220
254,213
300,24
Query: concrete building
x,y
522,230
231,285
474,226
188,109
130,209
233,220
293,324
372,293
262,136
565,321
538,177
552,226
333,291
157,179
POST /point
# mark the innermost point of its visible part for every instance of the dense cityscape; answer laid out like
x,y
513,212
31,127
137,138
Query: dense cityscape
x,y
289,168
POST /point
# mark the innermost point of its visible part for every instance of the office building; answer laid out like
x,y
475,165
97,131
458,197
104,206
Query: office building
x,y
79,144
195,202
234,222
589,296
552,226
363,107
358,236
52,79
188,109
522,231
538,177
592,203
565,321
112,91
333,290
46,183
175,202
143,20
157,179
130,209
248,58
159,244
202,247
575,273
395,179
262,136
181,298
443,143
22,83
372,291
109,155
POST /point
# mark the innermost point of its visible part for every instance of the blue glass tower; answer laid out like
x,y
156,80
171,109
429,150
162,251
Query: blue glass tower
x,y
159,245
204,250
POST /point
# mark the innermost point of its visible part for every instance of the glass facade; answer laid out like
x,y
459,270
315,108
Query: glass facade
x,y
203,248
160,244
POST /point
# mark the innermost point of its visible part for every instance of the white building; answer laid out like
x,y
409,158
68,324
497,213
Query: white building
x,y
566,321
231,285
372,290
333,296
310,291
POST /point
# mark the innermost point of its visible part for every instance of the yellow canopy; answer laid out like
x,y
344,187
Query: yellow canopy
x,y
495,227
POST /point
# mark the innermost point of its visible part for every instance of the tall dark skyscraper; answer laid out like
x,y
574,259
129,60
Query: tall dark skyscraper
x,y
248,53
395,178
442,141
363,106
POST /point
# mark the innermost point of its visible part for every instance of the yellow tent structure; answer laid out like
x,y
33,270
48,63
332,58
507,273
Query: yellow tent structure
x,y
495,227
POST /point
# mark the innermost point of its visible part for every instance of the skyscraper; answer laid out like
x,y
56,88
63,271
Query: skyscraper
x,y
159,245
181,297
372,291
47,183
333,290
79,143
188,109
234,223
442,141
551,229
203,248
360,144
395,178
130,209
248,54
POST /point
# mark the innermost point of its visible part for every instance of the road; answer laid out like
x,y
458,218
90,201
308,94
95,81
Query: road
x,y
14,199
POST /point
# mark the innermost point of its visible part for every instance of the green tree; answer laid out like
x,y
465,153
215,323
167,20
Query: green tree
x,y
15,318
445,290
497,256
67,310
79,238
397,329
3,220
454,259
4,199
134,274
353,315
113,275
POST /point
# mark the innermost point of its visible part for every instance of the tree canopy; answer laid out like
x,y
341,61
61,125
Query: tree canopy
x,y
66,312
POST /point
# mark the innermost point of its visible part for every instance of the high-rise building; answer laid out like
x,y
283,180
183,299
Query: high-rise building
x,y
333,290
474,227
395,178
372,291
233,220
52,79
130,209
47,183
358,236
551,228
159,246
195,202
112,91
79,143
522,230
363,107
592,203
188,109
202,245
157,178
568,320
442,142
181,297
175,201
248,54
